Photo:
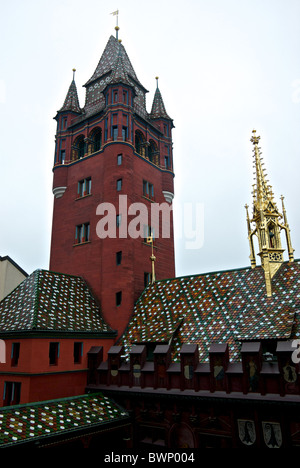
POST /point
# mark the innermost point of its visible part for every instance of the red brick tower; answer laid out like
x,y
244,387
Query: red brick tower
x,y
111,155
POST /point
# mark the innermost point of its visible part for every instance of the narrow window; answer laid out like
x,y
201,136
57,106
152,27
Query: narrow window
x,y
84,187
53,353
119,159
119,257
119,219
62,156
124,133
15,353
147,279
115,132
118,298
78,348
82,233
119,184
167,162
12,393
115,96
145,188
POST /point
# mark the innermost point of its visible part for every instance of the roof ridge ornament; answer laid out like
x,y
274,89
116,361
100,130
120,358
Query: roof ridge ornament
x,y
266,220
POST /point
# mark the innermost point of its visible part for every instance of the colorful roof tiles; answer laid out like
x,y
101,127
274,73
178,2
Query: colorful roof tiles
x,y
33,421
220,307
51,301
71,101
158,109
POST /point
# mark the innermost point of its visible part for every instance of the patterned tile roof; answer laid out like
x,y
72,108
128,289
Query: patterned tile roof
x,y
71,102
51,301
158,108
108,58
34,421
226,306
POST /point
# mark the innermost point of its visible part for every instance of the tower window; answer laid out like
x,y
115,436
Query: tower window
x,y
167,162
82,233
147,279
148,190
15,353
53,353
115,132
119,159
78,348
118,220
79,148
125,97
119,185
84,187
124,133
115,94
118,298
62,156
119,257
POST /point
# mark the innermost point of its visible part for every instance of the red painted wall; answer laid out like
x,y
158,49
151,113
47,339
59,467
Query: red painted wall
x,y
95,261
42,381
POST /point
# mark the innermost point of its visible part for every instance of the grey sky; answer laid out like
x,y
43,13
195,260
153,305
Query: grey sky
x,y
224,68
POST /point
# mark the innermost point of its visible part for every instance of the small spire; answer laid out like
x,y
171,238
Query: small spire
x,y
74,70
156,82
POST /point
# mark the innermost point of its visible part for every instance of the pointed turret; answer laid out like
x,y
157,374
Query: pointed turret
x,y
266,218
158,109
71,101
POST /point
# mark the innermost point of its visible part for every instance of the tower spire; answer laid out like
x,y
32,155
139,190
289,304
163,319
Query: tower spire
x,y
266,219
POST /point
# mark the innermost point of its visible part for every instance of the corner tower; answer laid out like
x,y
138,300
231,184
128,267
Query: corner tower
x,y
113,160
267,222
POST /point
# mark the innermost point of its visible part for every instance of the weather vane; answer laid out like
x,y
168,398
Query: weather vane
x,y
116,13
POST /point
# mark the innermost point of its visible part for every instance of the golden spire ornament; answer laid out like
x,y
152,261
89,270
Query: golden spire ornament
x,y
266,219
152,258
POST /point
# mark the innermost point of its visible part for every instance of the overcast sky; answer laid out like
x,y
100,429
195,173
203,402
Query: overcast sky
x,y
224,67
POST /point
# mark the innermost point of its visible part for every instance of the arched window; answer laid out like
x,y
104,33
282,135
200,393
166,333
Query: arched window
x,y
139,143
78,148
272,236
153,152
95,140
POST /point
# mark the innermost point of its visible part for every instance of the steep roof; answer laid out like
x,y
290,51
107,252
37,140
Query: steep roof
x,y
48,301
71,101
38,421
220,307
108,58
158,109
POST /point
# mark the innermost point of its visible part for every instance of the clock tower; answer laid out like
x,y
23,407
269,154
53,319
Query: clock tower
x,y
113,187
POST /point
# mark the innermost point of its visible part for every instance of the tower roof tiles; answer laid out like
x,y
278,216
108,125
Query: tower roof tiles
x,y
71,101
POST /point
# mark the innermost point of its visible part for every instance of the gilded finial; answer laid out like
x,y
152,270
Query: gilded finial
x,y
152,258
156,81
255,139
74,70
